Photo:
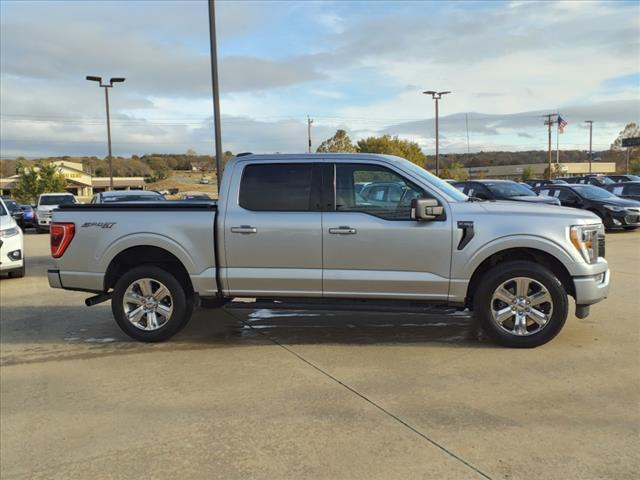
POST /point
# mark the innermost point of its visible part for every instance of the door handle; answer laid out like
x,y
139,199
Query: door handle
x,y
244,229
343,231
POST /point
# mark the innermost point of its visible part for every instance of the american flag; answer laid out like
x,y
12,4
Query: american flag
x,y
561,124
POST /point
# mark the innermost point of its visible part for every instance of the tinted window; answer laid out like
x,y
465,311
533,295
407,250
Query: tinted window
x,y
508,189
632,190
567,196
387,194
284,187
593,193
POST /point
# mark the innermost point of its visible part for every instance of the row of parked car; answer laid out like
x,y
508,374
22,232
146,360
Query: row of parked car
x,y
38,216
615,198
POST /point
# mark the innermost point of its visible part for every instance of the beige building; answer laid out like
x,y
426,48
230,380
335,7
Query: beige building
x,y
79,182
515,171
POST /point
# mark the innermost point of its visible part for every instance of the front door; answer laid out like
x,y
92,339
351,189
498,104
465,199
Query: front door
x,y
372,248
272,231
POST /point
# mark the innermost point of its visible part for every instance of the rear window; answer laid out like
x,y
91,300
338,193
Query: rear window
x,y
57,200
133,198
277,187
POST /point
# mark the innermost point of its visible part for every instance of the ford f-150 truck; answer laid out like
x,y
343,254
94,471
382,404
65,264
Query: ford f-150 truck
x,y
295,227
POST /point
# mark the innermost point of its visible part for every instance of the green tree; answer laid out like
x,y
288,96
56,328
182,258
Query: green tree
x,y
527,173
456,171
44,178
629,131
393,146
557,170
340,142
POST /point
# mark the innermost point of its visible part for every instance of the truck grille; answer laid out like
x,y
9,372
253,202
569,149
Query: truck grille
x,y
601,246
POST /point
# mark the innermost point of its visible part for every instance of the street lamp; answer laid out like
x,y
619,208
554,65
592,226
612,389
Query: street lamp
x,y
106,99
436,96
590,122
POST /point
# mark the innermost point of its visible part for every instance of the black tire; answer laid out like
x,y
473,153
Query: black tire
x,y
182,304
502,273
18,273
41,230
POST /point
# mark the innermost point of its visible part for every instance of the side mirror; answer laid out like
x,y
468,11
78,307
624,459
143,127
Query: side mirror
x,y
425,209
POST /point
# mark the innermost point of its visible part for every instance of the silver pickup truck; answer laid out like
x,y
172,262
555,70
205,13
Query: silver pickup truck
x,y
303,228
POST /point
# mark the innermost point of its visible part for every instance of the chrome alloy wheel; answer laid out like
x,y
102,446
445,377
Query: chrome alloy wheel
x,y
521,306
147,304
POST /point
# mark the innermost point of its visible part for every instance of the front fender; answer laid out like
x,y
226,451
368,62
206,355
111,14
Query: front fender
x,y
470,261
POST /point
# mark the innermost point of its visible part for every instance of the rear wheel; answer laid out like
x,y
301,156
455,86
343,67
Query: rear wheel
x,y
150,305
521,304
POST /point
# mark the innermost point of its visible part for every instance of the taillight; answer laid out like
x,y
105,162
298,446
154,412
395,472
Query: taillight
x,y
61,235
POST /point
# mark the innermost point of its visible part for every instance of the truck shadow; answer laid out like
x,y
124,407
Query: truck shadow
x,y
64,327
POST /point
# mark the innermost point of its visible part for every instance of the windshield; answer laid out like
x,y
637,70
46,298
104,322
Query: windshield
x,y
133,198
445,187
3,211
507,189
11,205
57,200
592,192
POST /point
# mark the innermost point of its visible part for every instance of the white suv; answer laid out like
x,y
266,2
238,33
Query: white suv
x,y
48,202
11,244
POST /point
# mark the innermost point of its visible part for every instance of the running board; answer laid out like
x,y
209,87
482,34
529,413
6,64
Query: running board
x,y
391,306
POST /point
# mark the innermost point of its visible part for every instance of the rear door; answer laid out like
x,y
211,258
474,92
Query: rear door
x,y
374,250
272,230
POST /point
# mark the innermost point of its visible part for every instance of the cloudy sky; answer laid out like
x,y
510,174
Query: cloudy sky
x,y
354,65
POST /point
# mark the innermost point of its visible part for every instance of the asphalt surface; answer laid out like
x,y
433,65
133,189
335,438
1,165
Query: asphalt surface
x,y
305,394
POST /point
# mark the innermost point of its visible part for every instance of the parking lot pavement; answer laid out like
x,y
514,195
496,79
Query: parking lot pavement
x,y
266,394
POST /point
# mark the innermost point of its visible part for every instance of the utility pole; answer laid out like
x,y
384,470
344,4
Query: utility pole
x,y
216,90
549,122
309,122
436,96
590,122
106,87
466,120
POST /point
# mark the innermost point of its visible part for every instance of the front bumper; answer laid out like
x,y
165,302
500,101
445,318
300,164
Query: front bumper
x,y
592,289
12,253
627,218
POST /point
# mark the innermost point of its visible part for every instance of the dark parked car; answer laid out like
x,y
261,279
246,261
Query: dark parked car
x,y
614,211
28,216
630,190
15,211
196,197
118,196
538,182
502,190
624,178
597,180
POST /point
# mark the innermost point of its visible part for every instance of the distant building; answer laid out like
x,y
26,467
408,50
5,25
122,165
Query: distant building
x,y
79,182
515,171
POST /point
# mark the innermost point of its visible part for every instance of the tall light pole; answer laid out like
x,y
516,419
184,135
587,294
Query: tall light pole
x,y
216,90
106,100
590,122
436,96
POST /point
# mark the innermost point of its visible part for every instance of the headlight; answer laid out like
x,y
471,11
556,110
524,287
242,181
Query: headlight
x,y
614,208
585,239
9,232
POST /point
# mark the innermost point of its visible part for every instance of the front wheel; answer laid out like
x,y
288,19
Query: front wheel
x,y
521,304
150,305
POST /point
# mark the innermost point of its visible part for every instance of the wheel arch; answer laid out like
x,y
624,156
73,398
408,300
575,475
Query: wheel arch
x,y
540,257
146,254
